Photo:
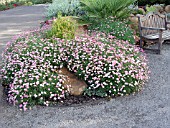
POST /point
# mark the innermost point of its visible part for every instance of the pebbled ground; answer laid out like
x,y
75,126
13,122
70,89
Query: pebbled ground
x,y
147,109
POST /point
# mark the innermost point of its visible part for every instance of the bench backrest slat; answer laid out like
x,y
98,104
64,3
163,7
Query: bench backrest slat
x,y
153,20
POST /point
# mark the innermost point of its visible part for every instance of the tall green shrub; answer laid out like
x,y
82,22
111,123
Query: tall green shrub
x,y
106,8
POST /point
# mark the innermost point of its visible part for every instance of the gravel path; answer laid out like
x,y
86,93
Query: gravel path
x,y
147,109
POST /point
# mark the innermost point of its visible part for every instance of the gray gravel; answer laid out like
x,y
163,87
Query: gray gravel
x,y
149,108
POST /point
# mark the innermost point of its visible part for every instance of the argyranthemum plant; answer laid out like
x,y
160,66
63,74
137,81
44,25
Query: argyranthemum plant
x,y
29,71
109,66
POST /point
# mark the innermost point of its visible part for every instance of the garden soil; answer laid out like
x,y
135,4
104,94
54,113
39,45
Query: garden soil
x,y
149,108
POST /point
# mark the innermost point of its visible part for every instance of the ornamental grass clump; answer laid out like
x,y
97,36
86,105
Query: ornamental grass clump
x,y
110,67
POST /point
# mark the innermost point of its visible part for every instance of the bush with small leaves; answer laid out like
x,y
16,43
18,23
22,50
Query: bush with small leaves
x,y
63,27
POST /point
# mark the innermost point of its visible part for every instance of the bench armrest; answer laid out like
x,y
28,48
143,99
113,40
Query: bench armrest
x,y
151,28
168,22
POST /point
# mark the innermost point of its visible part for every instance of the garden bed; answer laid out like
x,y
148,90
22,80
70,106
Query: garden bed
x,y
104,59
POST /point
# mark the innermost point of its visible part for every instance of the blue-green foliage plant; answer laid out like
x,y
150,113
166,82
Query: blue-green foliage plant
x,y
66,7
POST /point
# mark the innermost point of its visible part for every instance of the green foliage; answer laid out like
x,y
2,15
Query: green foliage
x,y
114,27
14,3
106,8
28,3
137,11
66,7
2,7
63,27
151,9
140,12
11,4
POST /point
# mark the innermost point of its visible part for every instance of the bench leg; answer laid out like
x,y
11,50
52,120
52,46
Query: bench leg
x,y
159,47
141,43
160,42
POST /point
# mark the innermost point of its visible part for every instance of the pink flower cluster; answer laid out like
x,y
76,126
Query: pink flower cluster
x,y
30,64
108,65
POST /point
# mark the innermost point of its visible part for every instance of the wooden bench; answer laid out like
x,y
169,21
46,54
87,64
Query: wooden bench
x,y
154,27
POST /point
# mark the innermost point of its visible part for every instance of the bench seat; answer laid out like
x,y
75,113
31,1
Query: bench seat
x,y
165,35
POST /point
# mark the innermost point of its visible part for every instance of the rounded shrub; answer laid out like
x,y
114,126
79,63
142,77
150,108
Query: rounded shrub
x,y
110,67
63,27
29,72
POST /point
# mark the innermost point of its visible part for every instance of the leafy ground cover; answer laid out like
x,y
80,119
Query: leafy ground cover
x,y
114,27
